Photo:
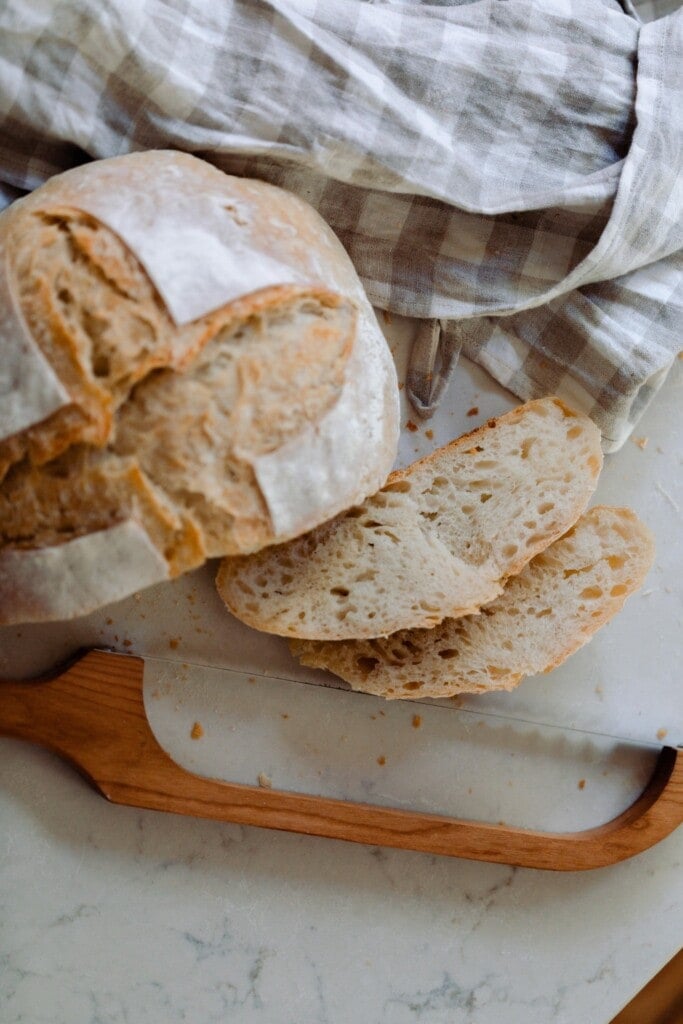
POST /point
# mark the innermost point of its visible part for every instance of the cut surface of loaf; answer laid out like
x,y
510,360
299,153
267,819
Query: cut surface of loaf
x,y
180,350
546,613
437,540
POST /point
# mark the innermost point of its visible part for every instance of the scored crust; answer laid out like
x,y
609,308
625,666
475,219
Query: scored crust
x,y
111,276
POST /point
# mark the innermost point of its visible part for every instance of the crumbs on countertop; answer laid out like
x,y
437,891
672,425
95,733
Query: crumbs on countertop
x,y
412,427
581,784
386,316
265,781
641,442
197,731
381,760
417,721
429,434
662,733
474,411
173,643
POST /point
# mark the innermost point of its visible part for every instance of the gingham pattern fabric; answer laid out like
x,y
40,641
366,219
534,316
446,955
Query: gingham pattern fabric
x,y
512,168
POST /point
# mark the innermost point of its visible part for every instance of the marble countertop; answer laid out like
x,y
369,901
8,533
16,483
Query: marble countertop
x,y
111,915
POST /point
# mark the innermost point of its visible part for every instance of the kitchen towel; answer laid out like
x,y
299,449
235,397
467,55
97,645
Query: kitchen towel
x,y
510,170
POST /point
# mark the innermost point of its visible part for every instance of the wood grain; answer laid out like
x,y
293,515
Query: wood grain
x,y
92,714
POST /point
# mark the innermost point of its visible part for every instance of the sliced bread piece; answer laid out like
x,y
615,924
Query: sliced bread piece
x,y
546,613
438,540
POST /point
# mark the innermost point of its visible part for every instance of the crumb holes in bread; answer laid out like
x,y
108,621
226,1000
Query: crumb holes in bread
x,y
367,665
526,447
448,653
398,487
591,593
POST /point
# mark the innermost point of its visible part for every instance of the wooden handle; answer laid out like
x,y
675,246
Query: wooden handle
x,y
93,714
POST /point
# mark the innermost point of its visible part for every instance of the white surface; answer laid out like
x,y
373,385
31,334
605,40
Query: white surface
x,y
109,915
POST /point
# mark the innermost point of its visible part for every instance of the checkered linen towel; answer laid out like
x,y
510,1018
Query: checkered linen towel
x,y
509,170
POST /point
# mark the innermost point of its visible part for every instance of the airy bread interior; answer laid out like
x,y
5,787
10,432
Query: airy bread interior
x,y
546,613
439,539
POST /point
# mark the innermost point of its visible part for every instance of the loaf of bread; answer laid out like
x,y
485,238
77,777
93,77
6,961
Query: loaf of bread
x,y
190,369
546,613
438,540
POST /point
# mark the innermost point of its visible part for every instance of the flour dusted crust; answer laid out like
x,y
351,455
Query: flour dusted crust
x,y
76,577
30,390
328,459
156,272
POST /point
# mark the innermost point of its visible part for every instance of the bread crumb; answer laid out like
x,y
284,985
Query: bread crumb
x,y
417,721
156,694
386,316
381,760
474,411
251,679
429,434
641,442
108,622
411,426
662,733
283,714
127,643
196,732
173,643
383,713
581,784
265,781
401,386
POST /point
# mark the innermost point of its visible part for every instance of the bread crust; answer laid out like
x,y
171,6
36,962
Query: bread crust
x,y
152,263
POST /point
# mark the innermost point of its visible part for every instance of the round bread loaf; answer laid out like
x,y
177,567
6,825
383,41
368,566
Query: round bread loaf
x,y
190,368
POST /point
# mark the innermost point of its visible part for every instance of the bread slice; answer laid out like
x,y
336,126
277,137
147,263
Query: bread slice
x,y
437,540
546,613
